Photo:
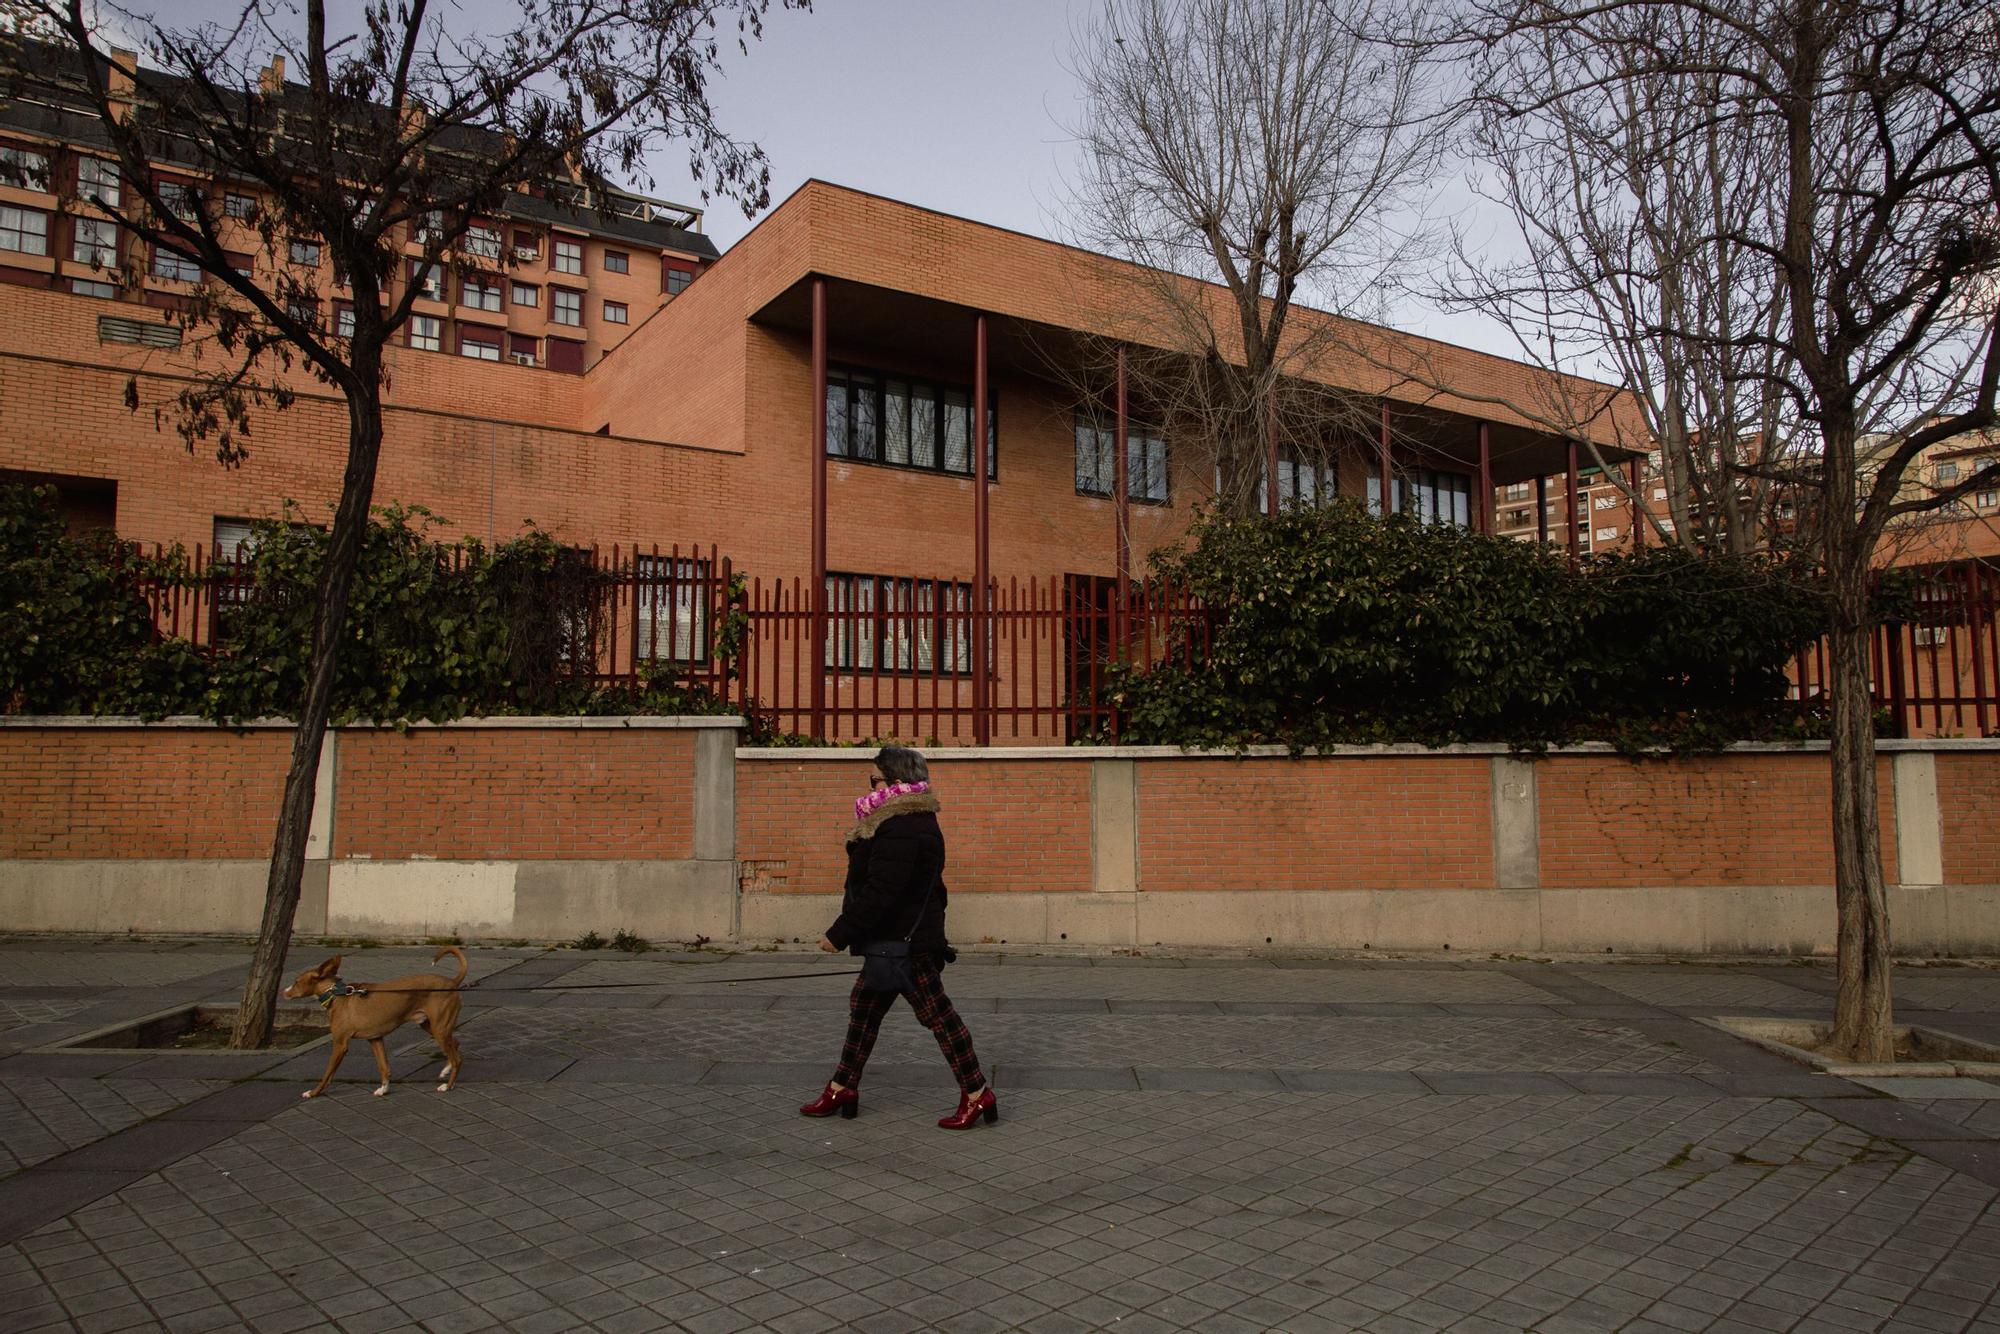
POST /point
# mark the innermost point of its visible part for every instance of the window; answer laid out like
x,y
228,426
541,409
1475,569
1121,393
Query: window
x,y
1947,473
1609,501
482,241
481,344
97,180
85,287
1429,496
677,279
24,167
343,319
429,280
906,423
428,227
305,312
178,198
240,207
882,623
523,349
1516,490
1145,461
569,257
672,612
166,264
427,332
143,333
527,247
566,306
1988,499
24,229
481,292
95,242
1607,534
1659,493
305,252
614,313
617,261
525,294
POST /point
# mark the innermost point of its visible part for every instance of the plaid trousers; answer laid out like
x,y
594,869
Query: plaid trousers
x,y
934,1011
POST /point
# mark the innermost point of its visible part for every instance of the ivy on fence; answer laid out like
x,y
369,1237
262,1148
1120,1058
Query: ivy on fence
x,y
437,629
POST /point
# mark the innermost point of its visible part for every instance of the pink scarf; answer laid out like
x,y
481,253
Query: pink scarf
x,y
868,805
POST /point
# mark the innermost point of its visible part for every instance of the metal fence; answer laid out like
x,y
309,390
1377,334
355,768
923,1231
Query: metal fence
x,y
1937,674
895,655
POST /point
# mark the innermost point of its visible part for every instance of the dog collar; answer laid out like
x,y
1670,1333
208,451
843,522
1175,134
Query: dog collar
x,y
325,998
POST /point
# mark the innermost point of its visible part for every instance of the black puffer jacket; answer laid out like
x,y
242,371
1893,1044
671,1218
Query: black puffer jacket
x,y
894,859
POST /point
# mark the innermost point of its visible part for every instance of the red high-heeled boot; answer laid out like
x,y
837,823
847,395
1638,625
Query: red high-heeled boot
x,y
845,1101
971,1109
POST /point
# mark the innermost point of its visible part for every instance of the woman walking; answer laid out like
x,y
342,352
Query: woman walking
x,y
895,897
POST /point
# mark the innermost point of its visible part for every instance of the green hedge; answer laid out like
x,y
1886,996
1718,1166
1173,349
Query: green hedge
x,y
1334,626
435,631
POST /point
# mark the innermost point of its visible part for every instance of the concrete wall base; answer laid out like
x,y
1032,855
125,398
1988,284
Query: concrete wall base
x,y
551,900
1961,919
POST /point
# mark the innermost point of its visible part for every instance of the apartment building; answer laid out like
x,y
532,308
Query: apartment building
x,y
555,279
1538,509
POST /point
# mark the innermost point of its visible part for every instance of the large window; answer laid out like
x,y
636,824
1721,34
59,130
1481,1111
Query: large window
x,y
178,198
24,168
1428,495
166,264
426,332
481,292
483,242
569,257
95,242
1305,483
677,279
882,623
24,229
672,609
478,342
97,180
565,306
905,422
1145,461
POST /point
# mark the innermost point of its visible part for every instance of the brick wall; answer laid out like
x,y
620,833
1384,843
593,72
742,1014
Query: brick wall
x,y
171,793
502,794
1376,823
1011,825
1723,820
1968,784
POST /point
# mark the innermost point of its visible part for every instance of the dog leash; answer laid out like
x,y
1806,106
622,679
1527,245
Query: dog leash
x,y
352,989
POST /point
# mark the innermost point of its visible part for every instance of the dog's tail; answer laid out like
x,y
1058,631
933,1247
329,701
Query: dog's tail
x,y
463,966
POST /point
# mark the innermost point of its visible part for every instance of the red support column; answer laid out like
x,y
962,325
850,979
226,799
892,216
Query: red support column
x,y
1638,510
1542,509
1121,505
1482,513
1383,448
1569,498
982,609
816,654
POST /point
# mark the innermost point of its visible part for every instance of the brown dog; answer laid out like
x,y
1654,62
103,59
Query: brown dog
x,y
375,1011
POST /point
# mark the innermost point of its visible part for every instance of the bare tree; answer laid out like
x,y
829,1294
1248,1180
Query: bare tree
x,y
1780,220
1278,148
407,129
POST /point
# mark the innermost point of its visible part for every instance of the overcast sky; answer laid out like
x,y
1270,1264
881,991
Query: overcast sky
x,y
955,105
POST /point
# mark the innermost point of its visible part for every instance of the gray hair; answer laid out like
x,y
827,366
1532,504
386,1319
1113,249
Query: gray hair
x,y
899,764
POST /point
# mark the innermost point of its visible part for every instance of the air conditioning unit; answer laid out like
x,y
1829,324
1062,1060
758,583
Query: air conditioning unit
x,y
526,254
524,358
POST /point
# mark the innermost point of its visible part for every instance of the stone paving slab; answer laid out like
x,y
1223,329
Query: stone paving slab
x,y
1393,1144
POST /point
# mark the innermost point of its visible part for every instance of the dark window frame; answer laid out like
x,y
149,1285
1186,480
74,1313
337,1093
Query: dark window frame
x,y
1107,462
919,618
844,376
623,260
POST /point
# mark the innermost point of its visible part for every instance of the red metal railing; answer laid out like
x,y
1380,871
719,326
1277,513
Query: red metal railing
x,y
897,662
1935,673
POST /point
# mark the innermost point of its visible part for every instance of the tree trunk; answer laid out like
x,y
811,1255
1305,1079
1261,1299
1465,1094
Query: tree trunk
x,y
1862,1016
288,848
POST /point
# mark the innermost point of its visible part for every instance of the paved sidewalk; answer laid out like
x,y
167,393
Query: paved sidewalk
x,y
1209,1144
